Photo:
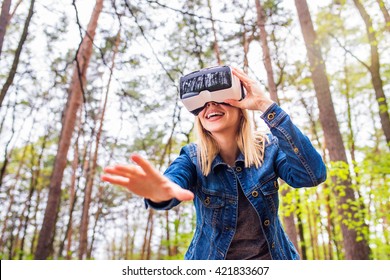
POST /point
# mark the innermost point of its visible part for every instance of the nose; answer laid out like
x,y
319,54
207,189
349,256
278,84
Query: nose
x,y
208,104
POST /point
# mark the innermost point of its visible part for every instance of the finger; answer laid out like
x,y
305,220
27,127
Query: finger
x,y
182,194
144,164
130,170
242,76
115,171
117,180
233,102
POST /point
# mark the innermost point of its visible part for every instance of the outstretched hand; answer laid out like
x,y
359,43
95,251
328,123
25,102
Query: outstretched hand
x,y
144,180
255,98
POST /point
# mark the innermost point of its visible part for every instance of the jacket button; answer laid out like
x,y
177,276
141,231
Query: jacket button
x,y
273,245
296,150
271,116
266,223
238,169
255,194
207,201
276,184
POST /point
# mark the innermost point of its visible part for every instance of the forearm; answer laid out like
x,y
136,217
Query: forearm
x,y
302,166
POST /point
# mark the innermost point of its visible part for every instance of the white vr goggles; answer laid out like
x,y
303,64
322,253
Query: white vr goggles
x,y
210,84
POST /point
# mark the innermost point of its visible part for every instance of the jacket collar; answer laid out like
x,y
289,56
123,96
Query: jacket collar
x,y
218,161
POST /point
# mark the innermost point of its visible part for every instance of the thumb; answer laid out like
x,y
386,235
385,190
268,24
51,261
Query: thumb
x,y
182,194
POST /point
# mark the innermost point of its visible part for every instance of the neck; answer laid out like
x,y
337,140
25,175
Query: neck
x,y
228,148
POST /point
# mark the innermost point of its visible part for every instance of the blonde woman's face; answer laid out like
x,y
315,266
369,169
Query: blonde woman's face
x,y
220,118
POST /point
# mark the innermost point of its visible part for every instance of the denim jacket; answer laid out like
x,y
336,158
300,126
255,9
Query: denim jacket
x,y
289,155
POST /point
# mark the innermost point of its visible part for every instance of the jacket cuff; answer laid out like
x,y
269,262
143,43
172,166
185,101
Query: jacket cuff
x,y
273,115
165,205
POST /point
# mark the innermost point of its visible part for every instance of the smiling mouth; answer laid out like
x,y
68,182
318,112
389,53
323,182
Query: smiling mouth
x,y
214,114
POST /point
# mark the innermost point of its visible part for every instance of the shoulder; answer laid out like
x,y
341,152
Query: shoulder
x,y
190,150
265,139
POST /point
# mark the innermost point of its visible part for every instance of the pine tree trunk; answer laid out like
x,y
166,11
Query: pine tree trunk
x,y
72,201
215,43
18,51
75,100
385,13
4,20
289,220
92,171
301,229
168,235
261,22
375,72
354,248
34,222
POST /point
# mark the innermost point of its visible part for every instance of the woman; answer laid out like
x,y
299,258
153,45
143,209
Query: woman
x,y
231,174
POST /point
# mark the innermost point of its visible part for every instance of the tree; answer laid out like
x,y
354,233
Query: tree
x,y
272,88
4,19
261,21
385,13
355,245
93,167
374,70
15,63
75,99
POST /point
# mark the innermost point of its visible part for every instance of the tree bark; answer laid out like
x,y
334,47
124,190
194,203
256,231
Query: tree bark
x,y
92,171
374,69
289,220
385,13
354,249
215,43
4,20
15,63
75,99
301,229
261,21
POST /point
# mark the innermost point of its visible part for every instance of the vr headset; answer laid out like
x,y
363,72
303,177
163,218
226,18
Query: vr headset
x,y
210,84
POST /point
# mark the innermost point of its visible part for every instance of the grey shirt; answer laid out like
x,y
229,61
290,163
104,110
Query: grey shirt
x,y
248,242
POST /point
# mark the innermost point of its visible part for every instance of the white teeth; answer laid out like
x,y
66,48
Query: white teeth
x,y
213,114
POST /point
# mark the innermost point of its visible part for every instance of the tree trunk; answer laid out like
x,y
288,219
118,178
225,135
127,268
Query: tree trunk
x,y
145,253
375,72
168,235
354,248
289,220
261,21
215,43
92,171
36,173
385,13
75,99
18,51
4,20
98,214
72,201
301,229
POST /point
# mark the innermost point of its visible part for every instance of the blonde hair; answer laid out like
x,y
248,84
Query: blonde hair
x,y
250,144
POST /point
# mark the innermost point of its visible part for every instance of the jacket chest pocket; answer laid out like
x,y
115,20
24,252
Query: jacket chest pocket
x,y
212,205
270,192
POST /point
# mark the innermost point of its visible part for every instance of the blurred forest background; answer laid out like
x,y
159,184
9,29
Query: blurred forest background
x,y
86,83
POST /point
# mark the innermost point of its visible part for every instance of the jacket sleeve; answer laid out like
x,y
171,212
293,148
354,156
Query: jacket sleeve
x,y
297,161
182,172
